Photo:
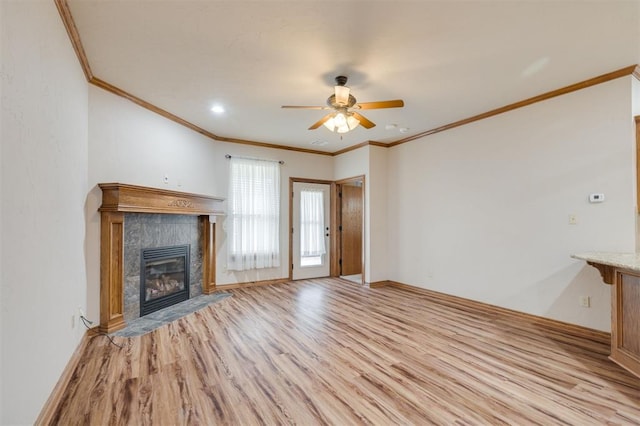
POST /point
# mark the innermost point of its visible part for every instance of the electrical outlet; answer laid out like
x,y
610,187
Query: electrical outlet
x,y
573,219
165,179
584,301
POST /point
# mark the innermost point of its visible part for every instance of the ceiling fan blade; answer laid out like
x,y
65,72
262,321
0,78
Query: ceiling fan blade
x,y
304,107
320,122
364,122
396,103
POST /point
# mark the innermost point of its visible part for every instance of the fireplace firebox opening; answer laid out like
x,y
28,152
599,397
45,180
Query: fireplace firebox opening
x,y
164,277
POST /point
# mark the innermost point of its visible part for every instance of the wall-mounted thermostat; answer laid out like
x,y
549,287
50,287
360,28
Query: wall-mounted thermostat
x,y
596,198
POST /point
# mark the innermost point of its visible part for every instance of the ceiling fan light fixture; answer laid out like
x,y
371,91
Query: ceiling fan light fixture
x,y
345,115
330,124
339,120
342,122
352,122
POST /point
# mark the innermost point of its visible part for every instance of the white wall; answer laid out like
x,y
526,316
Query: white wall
x,y
635,102
635,96
129,144
378,224
371,162
351,164
481,211
44,183
2,109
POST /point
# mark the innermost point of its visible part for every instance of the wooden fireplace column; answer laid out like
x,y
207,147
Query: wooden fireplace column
x,y
118,199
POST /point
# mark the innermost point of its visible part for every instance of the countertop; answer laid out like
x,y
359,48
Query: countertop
x,y
630,261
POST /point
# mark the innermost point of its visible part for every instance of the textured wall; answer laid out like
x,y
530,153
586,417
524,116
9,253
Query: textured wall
x,y
481,211
44,188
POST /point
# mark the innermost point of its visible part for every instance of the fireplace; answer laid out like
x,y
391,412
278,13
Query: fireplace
x,y
120,276
164,277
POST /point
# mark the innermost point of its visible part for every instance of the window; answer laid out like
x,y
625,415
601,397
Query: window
x,y
311,227
254,214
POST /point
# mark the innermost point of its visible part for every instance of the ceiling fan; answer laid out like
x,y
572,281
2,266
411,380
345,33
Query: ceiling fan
x,y
344,116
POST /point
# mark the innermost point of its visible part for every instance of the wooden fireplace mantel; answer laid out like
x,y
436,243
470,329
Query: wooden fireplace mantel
x,y
118,199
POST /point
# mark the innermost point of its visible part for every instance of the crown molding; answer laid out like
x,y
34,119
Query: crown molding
x,y
272,145
76,42
141,102
169,116
543,97
360,145
74,36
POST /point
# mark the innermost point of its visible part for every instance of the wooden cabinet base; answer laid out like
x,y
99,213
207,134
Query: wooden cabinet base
x,y
625,327
622,272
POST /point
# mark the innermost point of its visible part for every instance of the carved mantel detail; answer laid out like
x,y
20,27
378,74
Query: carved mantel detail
x,y
118,199
180,203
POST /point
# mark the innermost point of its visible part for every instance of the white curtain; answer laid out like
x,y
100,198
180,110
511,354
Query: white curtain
x,y
253,214
311,223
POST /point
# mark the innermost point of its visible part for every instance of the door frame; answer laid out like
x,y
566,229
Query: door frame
x,y
336,216
333,240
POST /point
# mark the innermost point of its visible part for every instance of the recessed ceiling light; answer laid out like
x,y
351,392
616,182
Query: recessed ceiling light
x,y
218,109
403,129
319,143
391,126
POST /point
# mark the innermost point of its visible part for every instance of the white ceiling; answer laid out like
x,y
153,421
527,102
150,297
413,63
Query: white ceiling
x,y
448,60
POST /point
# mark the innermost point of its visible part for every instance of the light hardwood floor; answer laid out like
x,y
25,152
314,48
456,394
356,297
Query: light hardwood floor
x,y
328,352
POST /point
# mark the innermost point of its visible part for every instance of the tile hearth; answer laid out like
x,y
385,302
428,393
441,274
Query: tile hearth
x,y
148,323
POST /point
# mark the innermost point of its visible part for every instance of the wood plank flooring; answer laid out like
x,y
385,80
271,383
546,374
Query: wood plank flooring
x,y
327,352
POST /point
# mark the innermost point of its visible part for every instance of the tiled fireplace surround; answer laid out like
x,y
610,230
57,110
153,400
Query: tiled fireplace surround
x,y
135,217
145,230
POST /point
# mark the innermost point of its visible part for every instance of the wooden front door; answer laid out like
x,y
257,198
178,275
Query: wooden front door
x,y
351,235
